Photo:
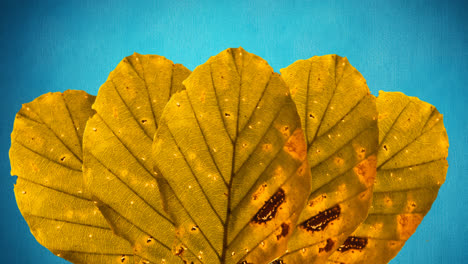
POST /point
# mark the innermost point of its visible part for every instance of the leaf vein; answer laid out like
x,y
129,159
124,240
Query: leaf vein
x,y
128,108
195,177
73,122
51,130
46,158
408,144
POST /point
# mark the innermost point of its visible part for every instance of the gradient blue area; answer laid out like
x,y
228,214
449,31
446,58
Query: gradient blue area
x,y
417,47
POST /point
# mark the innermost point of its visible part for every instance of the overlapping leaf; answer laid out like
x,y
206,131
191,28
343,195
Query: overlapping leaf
x,y
338,115
117,152
411,168
46,155
239,171
232,153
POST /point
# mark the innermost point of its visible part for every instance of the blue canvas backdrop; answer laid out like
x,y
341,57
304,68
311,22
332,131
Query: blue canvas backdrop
x,y
417,47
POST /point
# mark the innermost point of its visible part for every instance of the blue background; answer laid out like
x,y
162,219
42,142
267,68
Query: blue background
x,y
419,48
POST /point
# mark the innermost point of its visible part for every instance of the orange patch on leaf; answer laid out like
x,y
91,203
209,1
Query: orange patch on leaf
x,y
296,145
366,170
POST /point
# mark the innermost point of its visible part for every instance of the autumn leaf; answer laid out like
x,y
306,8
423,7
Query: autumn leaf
x,y
232,154
117,152
232,163
46,155
413,147
338,116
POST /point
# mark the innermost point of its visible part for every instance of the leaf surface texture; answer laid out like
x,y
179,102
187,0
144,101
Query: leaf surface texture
x,y
232,160
46,155
413,147
117,152
338,116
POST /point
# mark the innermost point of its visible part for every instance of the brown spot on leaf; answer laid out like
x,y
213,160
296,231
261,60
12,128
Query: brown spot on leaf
x,y
179,251
317,200
388,201
259,191
366,170
353,242
320,221
270,208
267,147
410,206
284,231
285,131
296,146
361,153
338,161
328,246
407,224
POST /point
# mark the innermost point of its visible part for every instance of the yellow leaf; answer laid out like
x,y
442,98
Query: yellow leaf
x,y
46,155
232,160
410,170
338,116
117,152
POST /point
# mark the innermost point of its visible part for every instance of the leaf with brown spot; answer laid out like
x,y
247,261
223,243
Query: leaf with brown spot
x,y
46,155
117,152
216,173
411,168
338,116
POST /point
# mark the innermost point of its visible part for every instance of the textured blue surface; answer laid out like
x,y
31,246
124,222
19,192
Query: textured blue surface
x,y
419,48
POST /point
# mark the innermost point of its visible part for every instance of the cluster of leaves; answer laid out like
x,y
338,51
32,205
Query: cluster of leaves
x,y
230,163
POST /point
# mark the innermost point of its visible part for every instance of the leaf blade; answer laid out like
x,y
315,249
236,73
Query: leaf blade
x,y
204,132
117,152
46,155
338,115
411,168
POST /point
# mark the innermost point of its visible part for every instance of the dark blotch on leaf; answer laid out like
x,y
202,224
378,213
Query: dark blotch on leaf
x,y
321,220
353,242
270,208
179,251
328,246
284,231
